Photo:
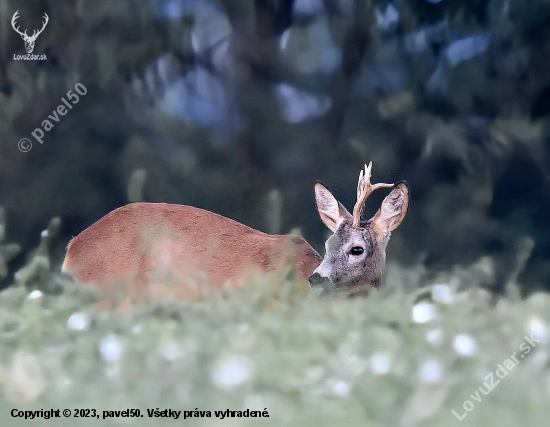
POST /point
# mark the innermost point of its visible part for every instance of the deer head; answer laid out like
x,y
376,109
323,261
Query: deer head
x,y
29,40
356,252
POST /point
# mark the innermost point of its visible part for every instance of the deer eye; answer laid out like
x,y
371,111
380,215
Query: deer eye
x,y
356,250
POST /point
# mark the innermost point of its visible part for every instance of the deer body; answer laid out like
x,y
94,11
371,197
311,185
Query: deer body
x,y
157,249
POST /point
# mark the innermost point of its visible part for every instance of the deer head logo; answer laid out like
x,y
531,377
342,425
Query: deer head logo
x,y
29,40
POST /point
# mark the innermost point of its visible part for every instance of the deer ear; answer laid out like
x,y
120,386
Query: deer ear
x,y
393,210
332,212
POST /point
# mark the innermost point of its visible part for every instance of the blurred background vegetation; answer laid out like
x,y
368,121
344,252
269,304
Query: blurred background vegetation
x,y
239,106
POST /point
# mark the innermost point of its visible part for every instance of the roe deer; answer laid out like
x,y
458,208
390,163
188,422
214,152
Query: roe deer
x,y
156,249
356,252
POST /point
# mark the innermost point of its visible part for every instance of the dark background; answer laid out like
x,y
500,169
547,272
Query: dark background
x,y
239,106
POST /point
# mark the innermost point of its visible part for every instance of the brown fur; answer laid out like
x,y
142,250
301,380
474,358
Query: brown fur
x,y
155,249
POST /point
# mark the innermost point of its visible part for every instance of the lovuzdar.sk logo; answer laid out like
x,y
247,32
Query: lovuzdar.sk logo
x,y
29,40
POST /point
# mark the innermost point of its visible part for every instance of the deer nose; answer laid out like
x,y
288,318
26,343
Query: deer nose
x,y
316,279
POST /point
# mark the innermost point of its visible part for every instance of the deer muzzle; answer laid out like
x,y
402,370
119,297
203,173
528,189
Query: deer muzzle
x,y
317,280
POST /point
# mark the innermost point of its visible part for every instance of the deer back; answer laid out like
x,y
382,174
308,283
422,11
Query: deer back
x,y
154,249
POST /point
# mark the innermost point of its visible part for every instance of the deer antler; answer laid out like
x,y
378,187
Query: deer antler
x,y
36,33
364,190
15,16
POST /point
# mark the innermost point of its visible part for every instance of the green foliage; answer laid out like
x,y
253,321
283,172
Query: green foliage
x,y
388,360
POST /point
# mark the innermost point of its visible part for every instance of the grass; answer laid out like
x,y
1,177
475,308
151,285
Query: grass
x,y
392,359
